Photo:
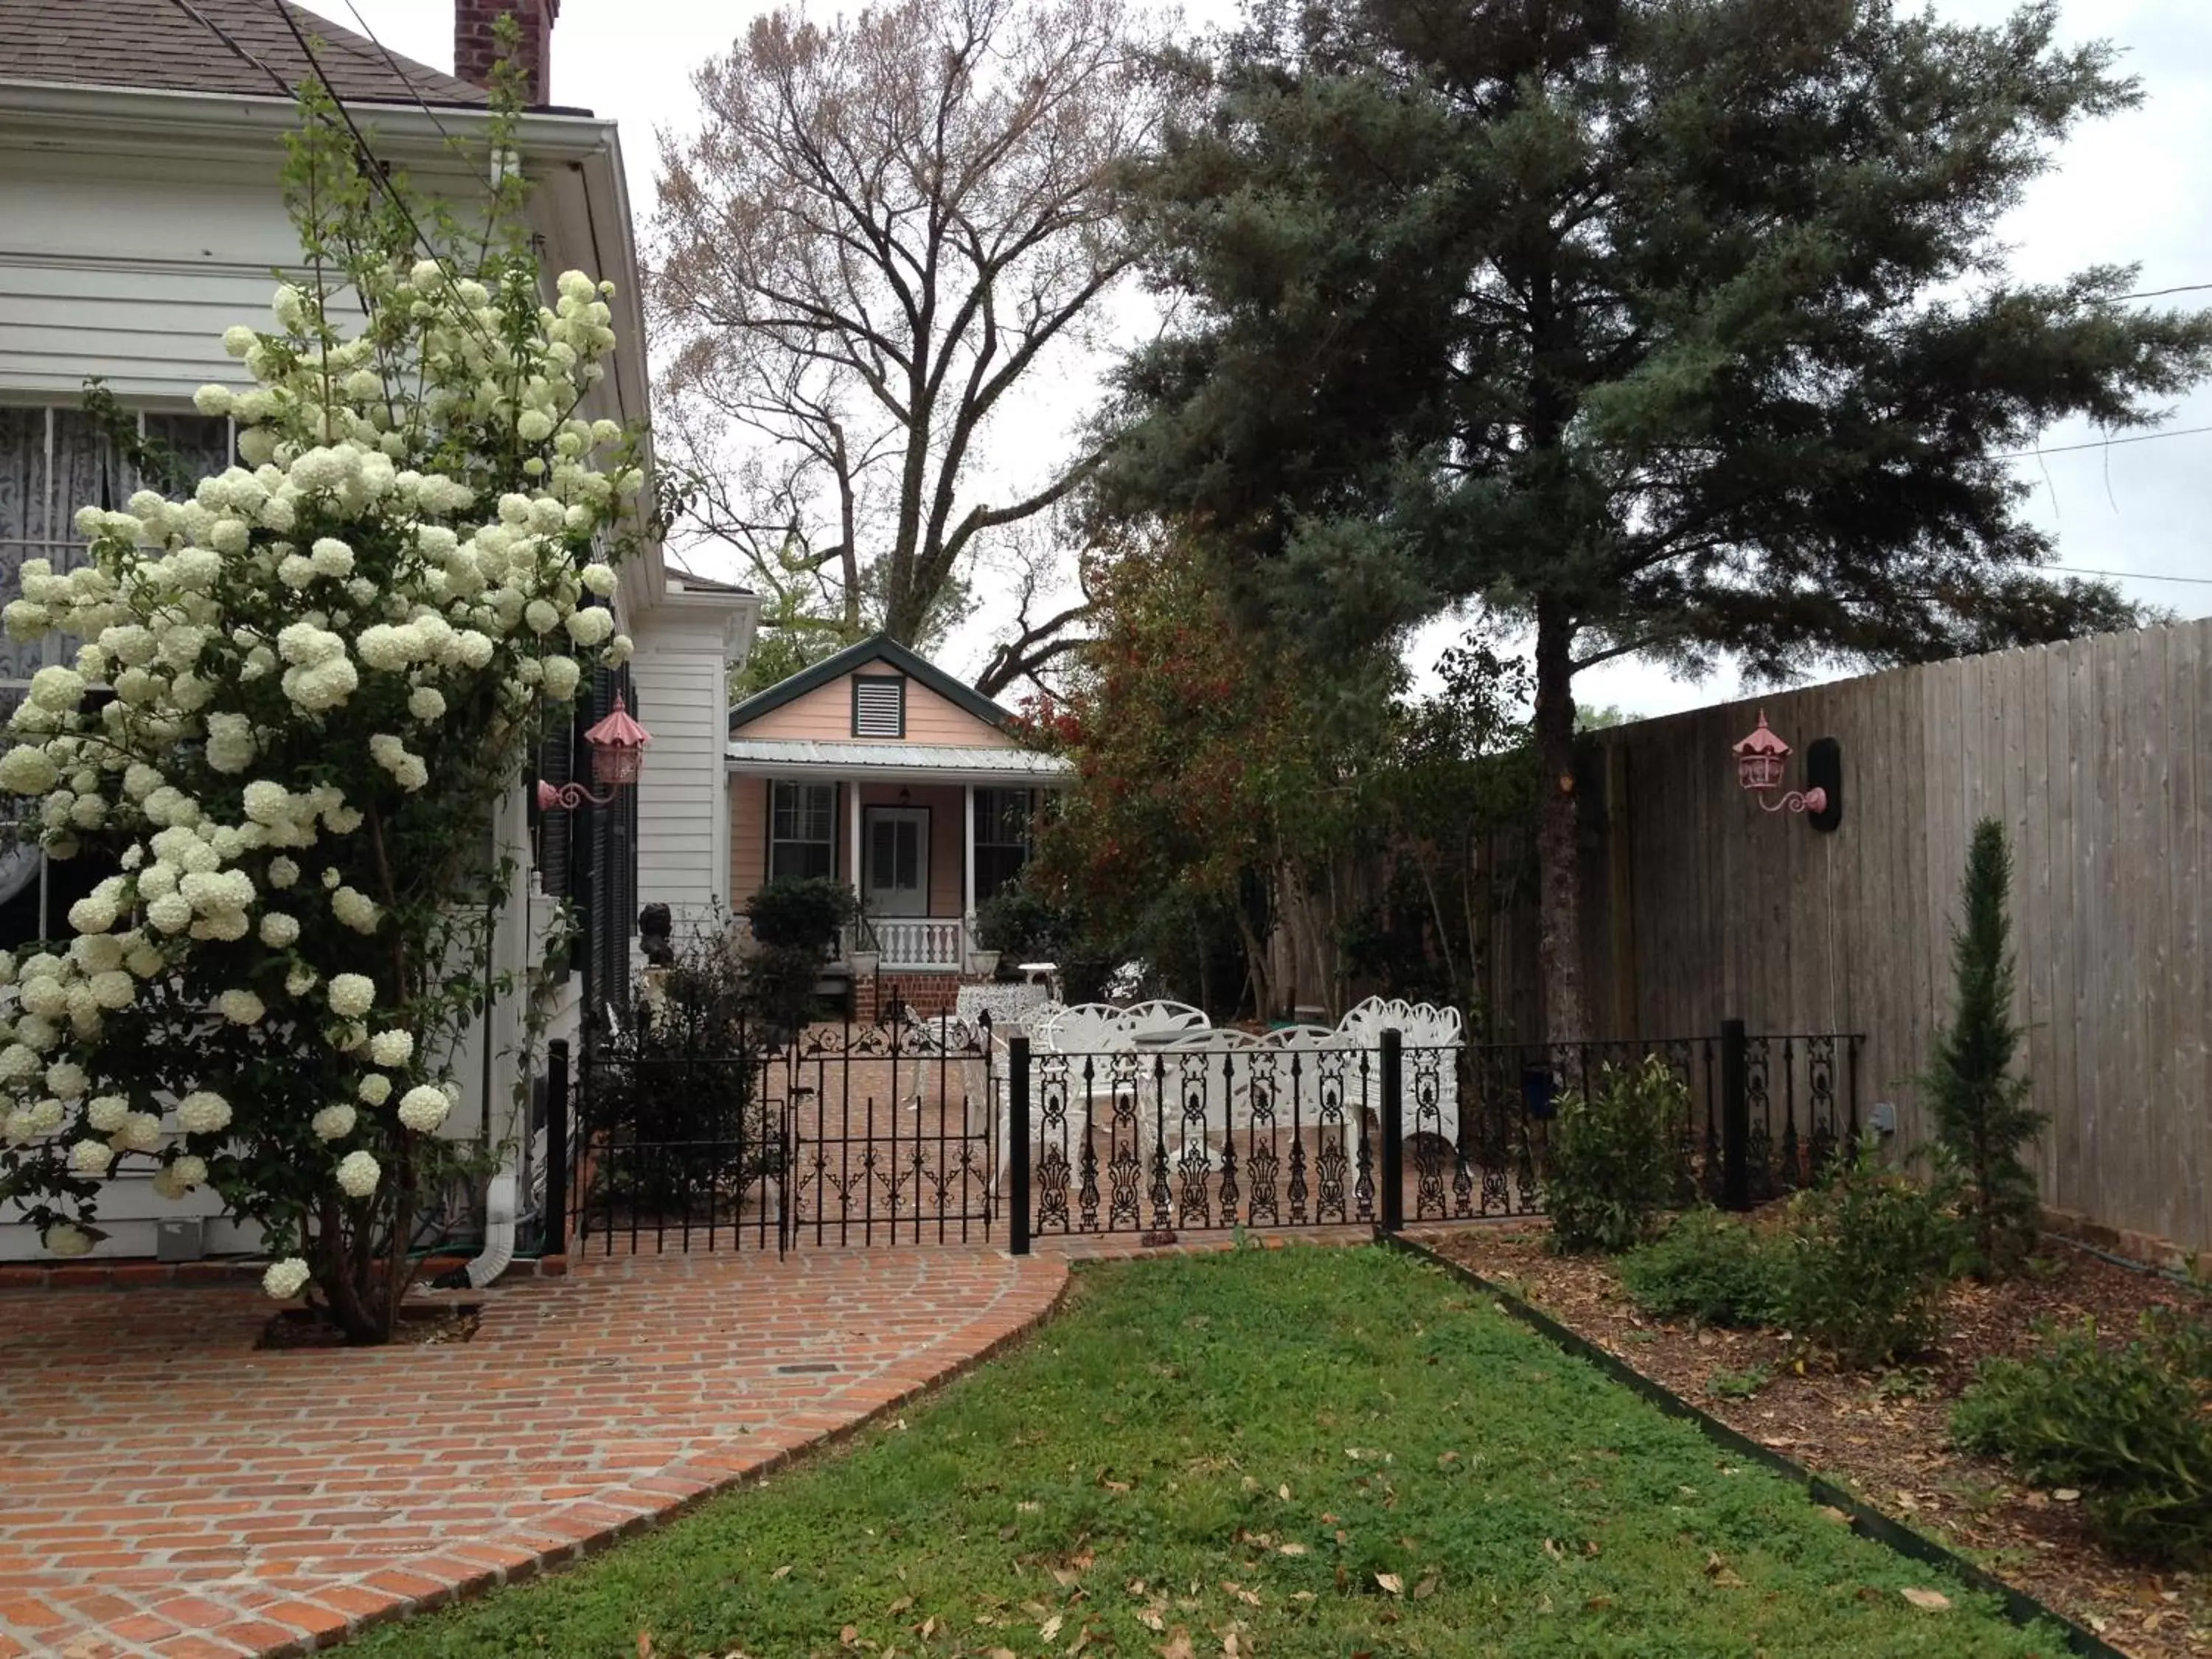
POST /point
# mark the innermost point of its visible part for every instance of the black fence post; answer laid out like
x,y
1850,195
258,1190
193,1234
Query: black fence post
x,y
1735,1116
1393,1130
1018,1145
556,1147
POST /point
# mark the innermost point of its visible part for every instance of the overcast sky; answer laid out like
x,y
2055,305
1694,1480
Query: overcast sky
x,y
2135,189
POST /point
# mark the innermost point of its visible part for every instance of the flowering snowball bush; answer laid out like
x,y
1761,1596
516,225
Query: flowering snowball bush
x,y
299,694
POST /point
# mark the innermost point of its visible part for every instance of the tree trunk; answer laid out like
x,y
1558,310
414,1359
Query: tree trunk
x,y
1558,902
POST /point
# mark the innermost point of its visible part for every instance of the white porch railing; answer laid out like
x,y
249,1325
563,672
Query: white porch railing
x,y
920,944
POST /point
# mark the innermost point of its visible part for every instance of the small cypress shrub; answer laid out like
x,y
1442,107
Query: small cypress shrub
x,y
1978,1100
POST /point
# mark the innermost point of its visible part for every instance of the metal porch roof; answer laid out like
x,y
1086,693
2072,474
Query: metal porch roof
x,y
809,758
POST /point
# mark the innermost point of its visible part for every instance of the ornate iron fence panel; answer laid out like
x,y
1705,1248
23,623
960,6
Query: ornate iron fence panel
x,y
1199,1138
675,1152
1800,1110
892,1131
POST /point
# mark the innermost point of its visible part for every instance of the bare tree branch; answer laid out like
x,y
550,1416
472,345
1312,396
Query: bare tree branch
x,y
882,226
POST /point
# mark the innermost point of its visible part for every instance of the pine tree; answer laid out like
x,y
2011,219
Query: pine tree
x,y
1678,328
1982,1120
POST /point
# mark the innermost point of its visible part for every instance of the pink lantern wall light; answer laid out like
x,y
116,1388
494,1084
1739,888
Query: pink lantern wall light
x,y
617,745
1760,760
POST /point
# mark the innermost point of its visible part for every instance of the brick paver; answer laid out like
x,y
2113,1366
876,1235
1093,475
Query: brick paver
x,y
165,1489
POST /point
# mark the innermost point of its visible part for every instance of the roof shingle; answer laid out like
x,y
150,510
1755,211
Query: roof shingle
x,y
162,46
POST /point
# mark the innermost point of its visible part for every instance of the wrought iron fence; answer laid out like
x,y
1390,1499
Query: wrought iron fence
x,y
912,1130
1193,1138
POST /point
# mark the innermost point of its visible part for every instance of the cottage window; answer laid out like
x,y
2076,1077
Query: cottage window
x,y
879,706
1002,839
53,461
802,830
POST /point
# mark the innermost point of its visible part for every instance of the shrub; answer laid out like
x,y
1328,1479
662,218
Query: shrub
x,y
2128,1426
1023,926
804,913
1612,1168
1863,1259
1708,1267
680,1075
1982,1117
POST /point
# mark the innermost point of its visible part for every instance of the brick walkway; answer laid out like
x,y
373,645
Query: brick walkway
x,y
165,1489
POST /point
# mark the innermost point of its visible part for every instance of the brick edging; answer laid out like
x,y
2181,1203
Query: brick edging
x,y
516,1566
133,1273
2020,1608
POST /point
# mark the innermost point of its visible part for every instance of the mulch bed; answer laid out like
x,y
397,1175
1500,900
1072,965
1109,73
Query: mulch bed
x,y
301,1328
1887,1436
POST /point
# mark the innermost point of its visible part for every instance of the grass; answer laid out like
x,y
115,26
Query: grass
x,y
1335,1452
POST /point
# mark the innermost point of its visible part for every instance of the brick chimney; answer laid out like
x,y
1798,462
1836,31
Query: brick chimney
x,y
476,50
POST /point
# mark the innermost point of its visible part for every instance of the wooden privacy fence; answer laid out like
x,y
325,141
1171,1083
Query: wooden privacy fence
x,y
2091,754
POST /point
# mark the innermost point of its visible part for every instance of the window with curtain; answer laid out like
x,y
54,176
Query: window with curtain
x,y
52,462
1002,839
802,830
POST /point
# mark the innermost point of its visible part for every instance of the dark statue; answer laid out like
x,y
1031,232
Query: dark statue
x,y
654,931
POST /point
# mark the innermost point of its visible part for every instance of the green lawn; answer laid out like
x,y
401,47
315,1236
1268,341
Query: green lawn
x,y
1312,1451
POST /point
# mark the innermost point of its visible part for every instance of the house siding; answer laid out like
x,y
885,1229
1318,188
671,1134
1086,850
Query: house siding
x,y
682,676
825,714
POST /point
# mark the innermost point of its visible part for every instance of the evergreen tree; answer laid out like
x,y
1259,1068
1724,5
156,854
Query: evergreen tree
x,y
1677,327
1982,1120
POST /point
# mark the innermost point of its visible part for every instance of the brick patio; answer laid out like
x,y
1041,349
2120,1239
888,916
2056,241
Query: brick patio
x,y
165,1489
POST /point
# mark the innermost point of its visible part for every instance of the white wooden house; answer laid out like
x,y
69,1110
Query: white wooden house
x,y
140,215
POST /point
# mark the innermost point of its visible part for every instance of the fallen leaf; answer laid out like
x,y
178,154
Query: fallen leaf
x,y
1006,1531
1835,1514
1427,1587
1927,1600
848,1636
898,1606
1391,1583
1004,1653
782,1571
1552,1548
1150,1619
645,1644
1065,1577
1283,1492
1178,1646
1050,1628
1447,1459
2065,1495
1721,1573
1029,1508
1292,1549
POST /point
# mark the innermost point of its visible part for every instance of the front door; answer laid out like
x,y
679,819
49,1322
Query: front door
x,y
894,873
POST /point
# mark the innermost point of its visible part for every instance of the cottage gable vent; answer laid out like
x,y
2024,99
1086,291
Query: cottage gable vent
x,y
879,706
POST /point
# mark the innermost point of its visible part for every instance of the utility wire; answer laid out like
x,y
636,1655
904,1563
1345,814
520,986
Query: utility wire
x,y
2127,576
2103,443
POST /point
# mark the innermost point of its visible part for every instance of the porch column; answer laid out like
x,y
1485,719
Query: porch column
x,y
852,826
968,870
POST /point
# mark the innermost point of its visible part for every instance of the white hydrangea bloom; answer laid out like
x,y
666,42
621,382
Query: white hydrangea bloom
x,y
203,1112
66,1239
393,1048
334,1122
241,1007
423,1108
375,1089
355,910
139,1132
104,1114
278,931
358,1174
352,995
287,1278
90,1157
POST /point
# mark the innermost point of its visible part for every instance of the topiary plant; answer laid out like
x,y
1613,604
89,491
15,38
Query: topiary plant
x,y
801,913
1978,1100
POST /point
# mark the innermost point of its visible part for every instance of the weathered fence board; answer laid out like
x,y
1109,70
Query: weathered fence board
x,y
2089,752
